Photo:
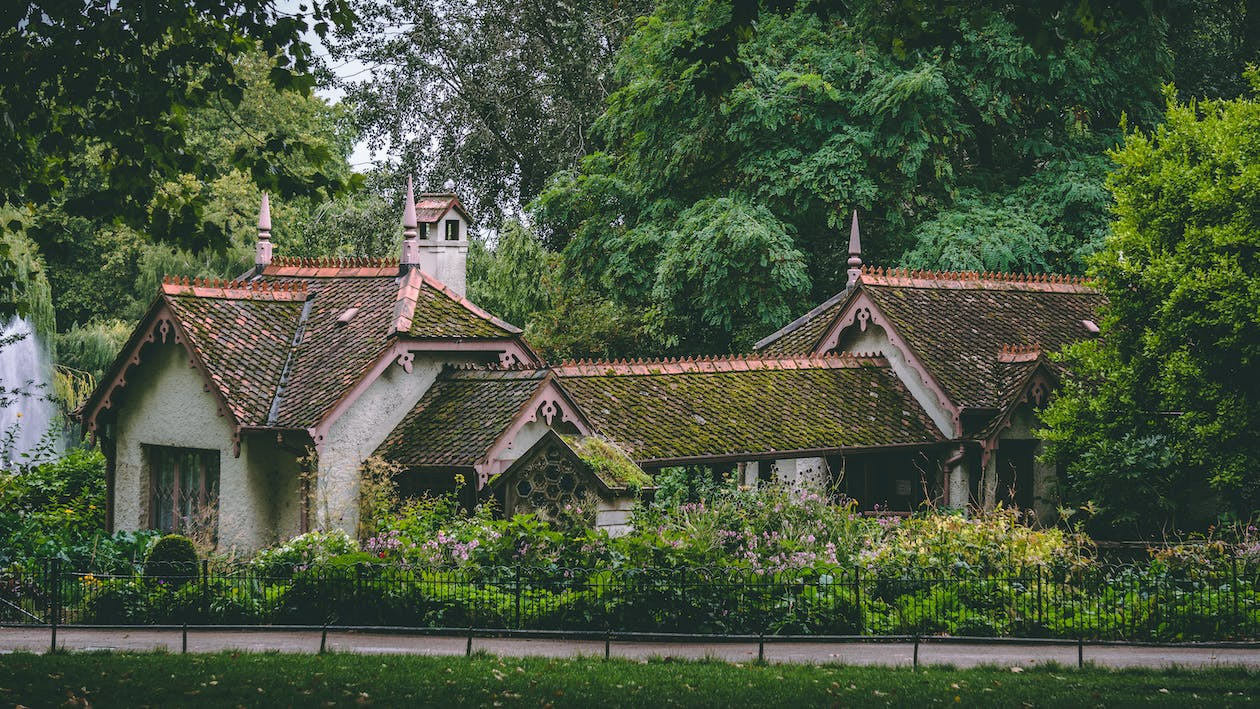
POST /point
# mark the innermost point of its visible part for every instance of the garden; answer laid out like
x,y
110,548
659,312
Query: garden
x,y
700,560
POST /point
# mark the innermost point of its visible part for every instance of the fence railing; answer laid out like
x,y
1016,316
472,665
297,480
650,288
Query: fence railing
x,y
1136,603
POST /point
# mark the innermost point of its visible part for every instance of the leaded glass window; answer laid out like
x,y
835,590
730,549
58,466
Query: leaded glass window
x,y
184,490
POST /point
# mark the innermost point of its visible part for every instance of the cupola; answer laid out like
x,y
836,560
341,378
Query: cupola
x,y
442,238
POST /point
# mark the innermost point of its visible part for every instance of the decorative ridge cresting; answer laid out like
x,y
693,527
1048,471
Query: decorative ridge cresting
x,y
1019,353
677,365
874,275
235,289
331,267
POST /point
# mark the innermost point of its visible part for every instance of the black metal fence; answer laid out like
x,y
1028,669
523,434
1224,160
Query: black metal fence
x,y
1133,603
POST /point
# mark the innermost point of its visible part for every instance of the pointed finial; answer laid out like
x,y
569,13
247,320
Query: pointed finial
x,y
262,250
411,244
855,253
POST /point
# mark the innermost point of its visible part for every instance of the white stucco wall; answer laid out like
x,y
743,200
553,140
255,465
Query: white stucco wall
x,y
165,404
874,340
801,473
447,261
278,466
958,478
613,515
525,438
356,434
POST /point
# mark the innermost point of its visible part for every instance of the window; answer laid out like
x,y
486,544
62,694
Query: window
x,y
184,491
452,230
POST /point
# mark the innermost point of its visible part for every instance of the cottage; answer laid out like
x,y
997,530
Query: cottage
x,y
243,410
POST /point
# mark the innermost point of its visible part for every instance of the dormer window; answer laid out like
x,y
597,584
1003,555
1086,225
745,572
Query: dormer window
x,y
423,231
452,230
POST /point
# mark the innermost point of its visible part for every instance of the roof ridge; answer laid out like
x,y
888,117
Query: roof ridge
x,y
332,267
238,289
915,278
709,363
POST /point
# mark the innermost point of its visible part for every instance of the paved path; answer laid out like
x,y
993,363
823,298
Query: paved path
x,y
957,654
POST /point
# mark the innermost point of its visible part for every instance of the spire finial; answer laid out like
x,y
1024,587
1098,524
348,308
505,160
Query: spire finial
x,y
855,252
262,250
411,244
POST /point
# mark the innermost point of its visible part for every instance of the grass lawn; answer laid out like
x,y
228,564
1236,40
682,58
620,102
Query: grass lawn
x,y
134,680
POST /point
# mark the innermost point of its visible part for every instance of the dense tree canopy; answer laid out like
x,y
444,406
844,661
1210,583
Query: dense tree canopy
x,y
1158,427
967,134
492,95
122,75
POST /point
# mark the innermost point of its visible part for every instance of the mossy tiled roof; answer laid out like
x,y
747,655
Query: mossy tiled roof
x,y
959,333
957,324
244,343
802,335
286,347
440,315
460,417
708,409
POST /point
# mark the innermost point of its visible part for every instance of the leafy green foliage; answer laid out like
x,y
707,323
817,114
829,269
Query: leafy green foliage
x,y
172,558
1157,428
310,548
964,134
510,279
57,510
493,95
103,269
127,74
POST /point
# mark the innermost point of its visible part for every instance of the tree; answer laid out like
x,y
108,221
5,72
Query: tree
x,y
1213,41
510,279
126,73
922,115
493,95
104,269
1158,425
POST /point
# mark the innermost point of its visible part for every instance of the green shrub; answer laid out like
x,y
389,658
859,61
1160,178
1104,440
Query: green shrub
x,y
116,602
303,551
173,559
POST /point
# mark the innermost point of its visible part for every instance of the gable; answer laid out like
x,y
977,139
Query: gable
x,y
459,419
242,367
951,328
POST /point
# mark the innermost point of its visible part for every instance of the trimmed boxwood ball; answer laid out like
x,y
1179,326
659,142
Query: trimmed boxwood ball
x,y
173,559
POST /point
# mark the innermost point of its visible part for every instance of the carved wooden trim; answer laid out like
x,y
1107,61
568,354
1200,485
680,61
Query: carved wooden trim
x,y
862,312
550,404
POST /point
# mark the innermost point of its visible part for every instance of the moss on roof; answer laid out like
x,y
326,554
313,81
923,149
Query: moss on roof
x,y
609,462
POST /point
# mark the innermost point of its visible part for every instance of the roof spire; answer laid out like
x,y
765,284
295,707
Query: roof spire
x,y
411,244
262,250
855,253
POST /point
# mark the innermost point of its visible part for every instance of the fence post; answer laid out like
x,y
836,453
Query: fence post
x,y
54,610
518,596
205,590
1040,614
857,594
1233,586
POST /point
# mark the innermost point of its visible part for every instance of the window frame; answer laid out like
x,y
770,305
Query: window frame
x,y
449,224
180,469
